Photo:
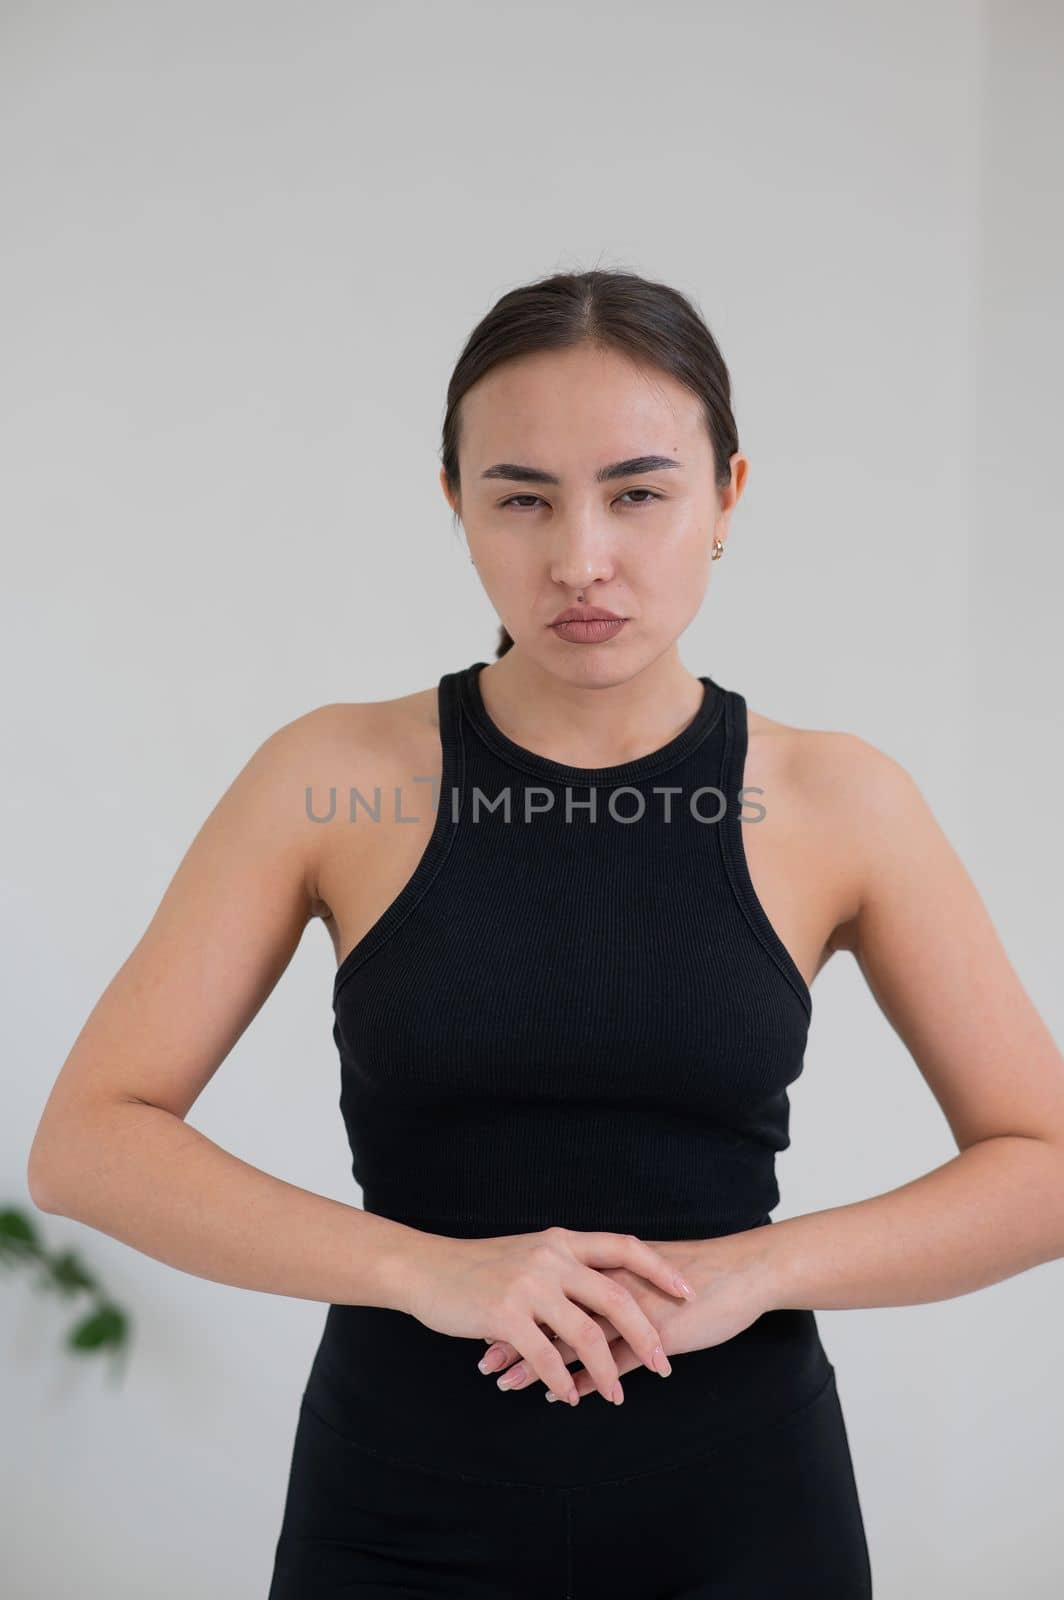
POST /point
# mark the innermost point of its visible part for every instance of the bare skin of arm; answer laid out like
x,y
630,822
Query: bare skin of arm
x,y
113,1148
925,944
852,846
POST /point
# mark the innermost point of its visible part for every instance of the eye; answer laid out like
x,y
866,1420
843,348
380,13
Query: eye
x,y
650,492
653,496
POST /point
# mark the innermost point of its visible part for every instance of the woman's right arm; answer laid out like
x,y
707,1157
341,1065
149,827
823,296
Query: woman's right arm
x,y
113,1149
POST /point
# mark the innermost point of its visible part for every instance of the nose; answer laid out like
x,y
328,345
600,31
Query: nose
x,y
580,556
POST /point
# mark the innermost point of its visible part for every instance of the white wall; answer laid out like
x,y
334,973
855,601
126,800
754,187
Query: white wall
x,y
242,248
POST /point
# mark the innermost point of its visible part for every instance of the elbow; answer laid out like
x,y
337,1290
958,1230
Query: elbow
x,y
40,1182
64,1152
41,1197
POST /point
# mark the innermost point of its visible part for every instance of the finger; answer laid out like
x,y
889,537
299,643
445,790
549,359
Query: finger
x,y
623,1310
626,1250
539,1354
568,1354
589,1341
566,1350
521,1375
502,1354
623,1355
649,1263
499,1354
589,1338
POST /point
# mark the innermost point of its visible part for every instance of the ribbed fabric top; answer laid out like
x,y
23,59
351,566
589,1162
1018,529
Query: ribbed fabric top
x,y
576,1010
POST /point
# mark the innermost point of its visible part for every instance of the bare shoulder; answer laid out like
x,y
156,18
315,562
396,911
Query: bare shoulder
x,y
342,731
224,931
824,762
370,746
839,798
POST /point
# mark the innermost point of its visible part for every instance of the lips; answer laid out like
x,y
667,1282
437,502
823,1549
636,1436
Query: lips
x,y
586,614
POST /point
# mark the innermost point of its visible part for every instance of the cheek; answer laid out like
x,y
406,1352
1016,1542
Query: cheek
x,y
503,569
673,567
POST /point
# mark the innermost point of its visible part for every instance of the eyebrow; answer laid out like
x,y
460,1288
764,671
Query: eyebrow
x,y
620,469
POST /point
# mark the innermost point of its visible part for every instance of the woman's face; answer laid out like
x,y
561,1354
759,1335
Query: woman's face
x,y
638,543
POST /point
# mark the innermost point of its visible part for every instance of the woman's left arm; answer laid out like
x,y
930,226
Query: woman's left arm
x,y
933,960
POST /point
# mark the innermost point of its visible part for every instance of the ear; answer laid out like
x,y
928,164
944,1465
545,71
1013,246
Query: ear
x,y
729,497
451,501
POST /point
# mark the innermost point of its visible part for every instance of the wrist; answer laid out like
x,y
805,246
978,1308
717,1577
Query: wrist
x,y
399,1264
773,1260
759,1257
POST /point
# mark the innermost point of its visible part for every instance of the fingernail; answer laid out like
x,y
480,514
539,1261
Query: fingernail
x,y
489,1362
511,1379
683,1286
617,1395
661,1361
551,1395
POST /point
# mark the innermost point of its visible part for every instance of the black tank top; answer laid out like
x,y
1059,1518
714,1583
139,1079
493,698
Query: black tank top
x,y
575,1011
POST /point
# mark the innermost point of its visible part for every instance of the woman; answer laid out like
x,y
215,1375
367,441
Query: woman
x,y
569,1001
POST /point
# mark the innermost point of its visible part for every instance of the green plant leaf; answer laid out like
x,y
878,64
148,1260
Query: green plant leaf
x,y
18,1236
69,1275
105,1326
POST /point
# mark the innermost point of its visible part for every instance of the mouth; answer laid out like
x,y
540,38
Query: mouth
x,y
586,614
589,630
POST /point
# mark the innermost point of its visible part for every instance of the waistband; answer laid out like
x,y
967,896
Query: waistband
x,y
416,1396
653,1223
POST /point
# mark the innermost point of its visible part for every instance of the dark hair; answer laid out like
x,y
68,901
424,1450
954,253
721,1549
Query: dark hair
x,y
648,321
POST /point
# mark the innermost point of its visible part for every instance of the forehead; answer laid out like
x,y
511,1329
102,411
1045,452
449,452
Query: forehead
x,y
578,402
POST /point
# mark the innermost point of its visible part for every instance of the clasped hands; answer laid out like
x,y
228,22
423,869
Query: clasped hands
x,y
730,1290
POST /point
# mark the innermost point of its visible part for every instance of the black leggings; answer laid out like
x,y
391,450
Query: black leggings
x,y
772,1514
